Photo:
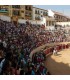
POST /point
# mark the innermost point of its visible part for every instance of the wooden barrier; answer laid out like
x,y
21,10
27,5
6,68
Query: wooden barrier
x,y
60,46
67,46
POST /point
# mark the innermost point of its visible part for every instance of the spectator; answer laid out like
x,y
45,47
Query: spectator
x,y
16,44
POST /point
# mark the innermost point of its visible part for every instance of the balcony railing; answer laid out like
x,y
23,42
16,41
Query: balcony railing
x,y
37,12
30,18
37,18
28,15
16,6
29,9
45,14
3,11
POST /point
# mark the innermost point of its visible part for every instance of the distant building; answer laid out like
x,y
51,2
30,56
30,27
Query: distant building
x,y
59,17
38,13
17,11
22,13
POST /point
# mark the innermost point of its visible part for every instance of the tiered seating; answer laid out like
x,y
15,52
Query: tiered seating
x,y
16,44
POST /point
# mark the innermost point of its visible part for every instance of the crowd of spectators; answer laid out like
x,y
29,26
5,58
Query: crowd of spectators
x,y
16,44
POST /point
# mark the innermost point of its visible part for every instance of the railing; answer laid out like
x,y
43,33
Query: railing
x,y
3,11
59,46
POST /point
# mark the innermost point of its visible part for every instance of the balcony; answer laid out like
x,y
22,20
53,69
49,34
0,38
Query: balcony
x,y
3,10
28,15
16,13
16,6
45,13
37,12
28,8
37,18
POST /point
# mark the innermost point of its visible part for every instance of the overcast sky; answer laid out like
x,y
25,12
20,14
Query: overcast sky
x,y
60,8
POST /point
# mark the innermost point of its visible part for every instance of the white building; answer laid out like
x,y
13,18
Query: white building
x,y
41,16
38,13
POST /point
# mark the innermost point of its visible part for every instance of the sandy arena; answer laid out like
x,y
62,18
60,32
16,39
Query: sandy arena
x,y
59,64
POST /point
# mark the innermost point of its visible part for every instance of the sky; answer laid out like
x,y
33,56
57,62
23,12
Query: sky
x,y
65,9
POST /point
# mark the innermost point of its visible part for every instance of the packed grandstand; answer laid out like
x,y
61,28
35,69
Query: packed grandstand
x,y
17,42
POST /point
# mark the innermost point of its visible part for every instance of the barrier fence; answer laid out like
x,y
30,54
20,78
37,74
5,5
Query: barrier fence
x,y
50,46
58,48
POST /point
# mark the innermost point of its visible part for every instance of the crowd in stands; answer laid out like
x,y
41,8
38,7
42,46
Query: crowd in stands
x,y
16,44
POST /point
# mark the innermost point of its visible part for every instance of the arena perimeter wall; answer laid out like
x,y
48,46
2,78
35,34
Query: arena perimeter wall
x,y
50,46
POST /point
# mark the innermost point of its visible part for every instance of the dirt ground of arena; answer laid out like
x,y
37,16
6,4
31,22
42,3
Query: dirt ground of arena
x,y
59,64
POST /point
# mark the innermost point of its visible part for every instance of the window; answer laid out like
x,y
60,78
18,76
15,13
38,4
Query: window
x,y
38,11
15,12
22,17
56,16
37,18
30,8
46,13
28,14
41,11
3,10
35,11
26,7
22,11
49,23
52,22
16,6
41,16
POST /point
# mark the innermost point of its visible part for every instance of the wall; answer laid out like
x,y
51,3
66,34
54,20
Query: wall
x,y
5,18
50,27
36,15
33,13
32,21
49,45
63,23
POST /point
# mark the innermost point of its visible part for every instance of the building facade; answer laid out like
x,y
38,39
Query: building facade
x,y
17,11
38,13
41,14
60,17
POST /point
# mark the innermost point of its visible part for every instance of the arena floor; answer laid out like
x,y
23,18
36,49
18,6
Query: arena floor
x,y
59,64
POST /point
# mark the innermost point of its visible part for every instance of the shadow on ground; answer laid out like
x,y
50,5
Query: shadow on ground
x,y
57,68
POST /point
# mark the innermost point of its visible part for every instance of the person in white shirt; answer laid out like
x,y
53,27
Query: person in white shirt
x,y
55,51
4,44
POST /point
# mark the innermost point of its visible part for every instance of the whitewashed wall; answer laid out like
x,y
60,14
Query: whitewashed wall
x,y
5,18
32,21
63,23
33,14
44,21
50,28
21,21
